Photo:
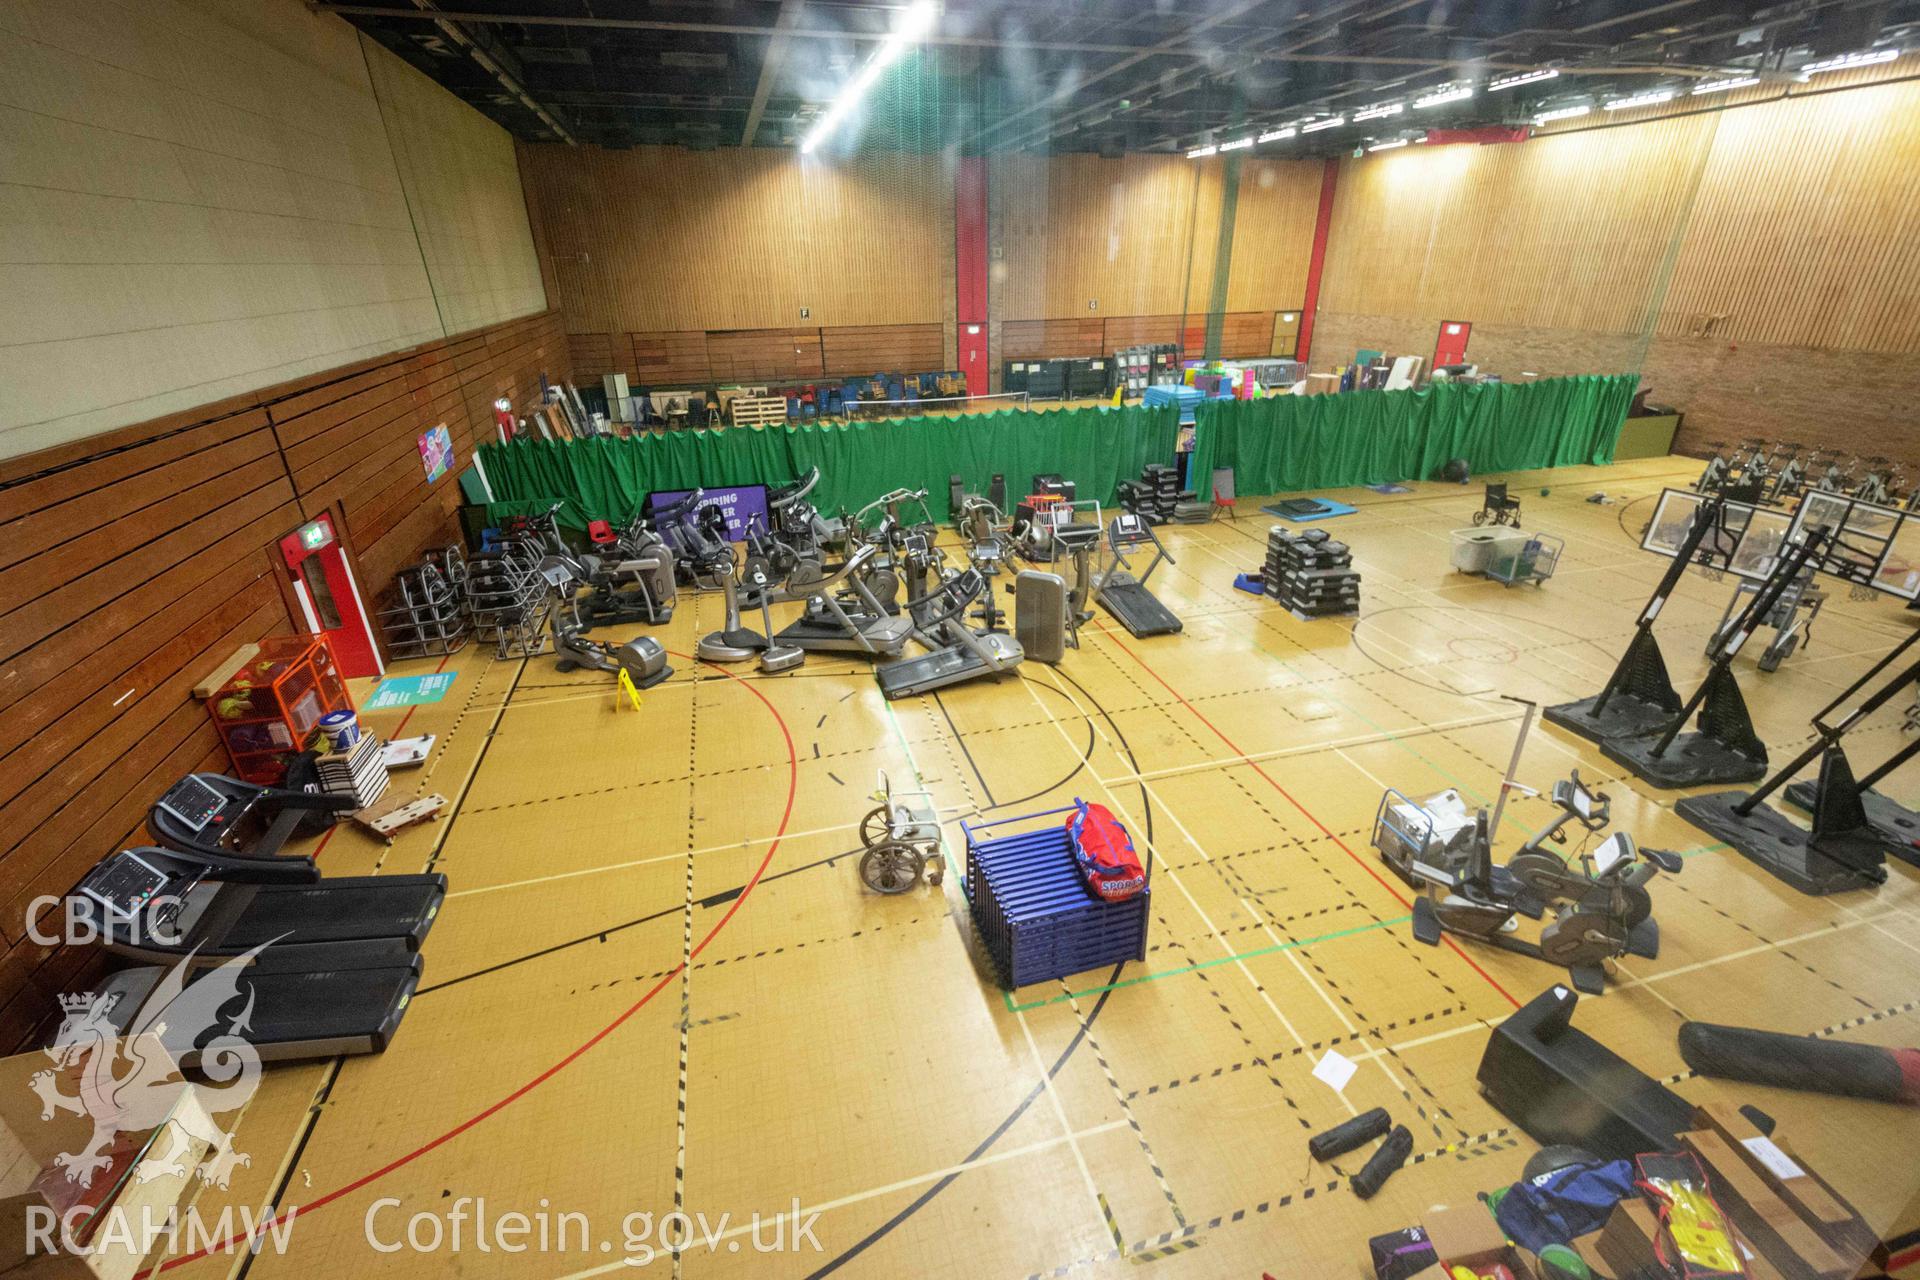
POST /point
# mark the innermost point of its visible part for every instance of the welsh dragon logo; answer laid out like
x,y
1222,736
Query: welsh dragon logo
x,y
125,1088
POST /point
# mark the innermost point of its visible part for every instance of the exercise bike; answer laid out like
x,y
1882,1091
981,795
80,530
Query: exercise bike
x,y
1601,908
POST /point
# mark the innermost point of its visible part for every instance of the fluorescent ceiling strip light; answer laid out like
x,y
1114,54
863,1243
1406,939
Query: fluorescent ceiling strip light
x,y
1443,96
1721,86
1639,100
1560,113
1388,146
1318,125
1379,110
1525,77
916,23
1201,153
1237,143
1844,61
1279,134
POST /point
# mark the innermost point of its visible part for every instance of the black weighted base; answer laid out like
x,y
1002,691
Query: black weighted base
x,y
1841,861
1690,760
1625,716
1897,826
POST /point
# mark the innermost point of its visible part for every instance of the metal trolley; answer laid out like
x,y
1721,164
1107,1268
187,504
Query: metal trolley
x,y
1533,560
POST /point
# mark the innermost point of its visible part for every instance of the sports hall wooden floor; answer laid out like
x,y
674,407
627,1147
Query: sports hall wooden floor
x,y
848,1051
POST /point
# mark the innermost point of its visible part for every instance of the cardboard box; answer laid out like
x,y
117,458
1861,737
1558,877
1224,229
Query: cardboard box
x,y
1836,1221
1763,1217
1470,1235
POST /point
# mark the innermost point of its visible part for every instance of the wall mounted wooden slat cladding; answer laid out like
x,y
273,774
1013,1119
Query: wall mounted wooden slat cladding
x,y
1037,339
914,348
659,239
130,568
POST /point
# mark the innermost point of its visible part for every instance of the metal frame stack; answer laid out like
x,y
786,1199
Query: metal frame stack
x,y
509,599
428,616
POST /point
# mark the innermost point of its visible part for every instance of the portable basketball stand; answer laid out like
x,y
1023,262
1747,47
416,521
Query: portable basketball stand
x,y
1725,748
1854,830
1639,696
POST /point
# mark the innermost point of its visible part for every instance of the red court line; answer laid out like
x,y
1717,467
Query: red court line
x,y
399,1162
1361,862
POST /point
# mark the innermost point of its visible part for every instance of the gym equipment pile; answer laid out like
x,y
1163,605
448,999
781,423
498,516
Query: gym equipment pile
x,y
1309,573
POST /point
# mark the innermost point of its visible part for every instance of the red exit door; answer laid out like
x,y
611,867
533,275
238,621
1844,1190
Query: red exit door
x,y
321,584
1452,346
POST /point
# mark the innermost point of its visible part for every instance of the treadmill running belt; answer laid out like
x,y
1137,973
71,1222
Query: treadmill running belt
x,y
340,910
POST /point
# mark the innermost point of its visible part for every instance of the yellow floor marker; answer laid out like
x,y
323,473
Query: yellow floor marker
x,y
627,687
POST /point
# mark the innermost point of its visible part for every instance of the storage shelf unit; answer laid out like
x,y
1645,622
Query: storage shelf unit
x,y
267,710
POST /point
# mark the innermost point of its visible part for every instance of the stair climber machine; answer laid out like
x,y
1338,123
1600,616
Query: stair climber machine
x,y
693,533
1123,595
798,538
240,938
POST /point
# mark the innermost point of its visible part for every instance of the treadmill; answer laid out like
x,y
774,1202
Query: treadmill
x,y
966,655
827,626
315,985
1125,596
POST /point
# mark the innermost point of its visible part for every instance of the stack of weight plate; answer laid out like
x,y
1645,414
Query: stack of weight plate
x,y
1310,573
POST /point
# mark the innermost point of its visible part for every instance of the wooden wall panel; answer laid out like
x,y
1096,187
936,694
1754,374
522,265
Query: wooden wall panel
x,y
1138,331
911,348
661,239
750,355
128,572
1137,235
1273,219
669,359
1033,339
591,355
1569,231
1804,229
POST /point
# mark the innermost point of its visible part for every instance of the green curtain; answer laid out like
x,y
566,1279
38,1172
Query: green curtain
x,y
607,478
1288,443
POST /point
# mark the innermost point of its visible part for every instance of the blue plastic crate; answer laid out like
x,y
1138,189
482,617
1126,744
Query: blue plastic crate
x,y
1035,913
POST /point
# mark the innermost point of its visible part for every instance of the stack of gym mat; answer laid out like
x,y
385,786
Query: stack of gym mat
x,y
359,771
1037,918
1310,573
1155,495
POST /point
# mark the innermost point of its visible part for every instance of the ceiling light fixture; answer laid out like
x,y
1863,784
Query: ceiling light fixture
x,y
914,25
1847,60
1653,99
1525,77
1277,135
1201,153
1439,97
1560,113
1379,110
1237,143
1318,125
1721,86
1388,146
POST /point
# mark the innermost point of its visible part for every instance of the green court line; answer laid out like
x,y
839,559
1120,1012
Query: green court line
x,y
1158,974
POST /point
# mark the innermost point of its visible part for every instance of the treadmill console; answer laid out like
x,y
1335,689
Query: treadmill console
x,y
1129,528
125,885
193,802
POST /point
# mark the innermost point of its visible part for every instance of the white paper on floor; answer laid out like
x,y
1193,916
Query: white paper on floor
x,y
1335,1071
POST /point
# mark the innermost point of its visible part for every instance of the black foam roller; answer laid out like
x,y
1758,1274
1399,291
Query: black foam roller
x,y
1800,1062
1384,1163
1342,1138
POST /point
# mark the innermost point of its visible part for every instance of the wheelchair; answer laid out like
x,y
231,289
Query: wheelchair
x,y
1498,507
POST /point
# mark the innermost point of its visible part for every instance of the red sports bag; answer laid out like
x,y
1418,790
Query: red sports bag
x,y
1105,852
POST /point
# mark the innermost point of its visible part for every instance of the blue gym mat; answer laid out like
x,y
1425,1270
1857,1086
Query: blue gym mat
x,y
1332,509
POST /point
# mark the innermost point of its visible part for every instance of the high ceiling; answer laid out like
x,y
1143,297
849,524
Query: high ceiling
x,y
1084,75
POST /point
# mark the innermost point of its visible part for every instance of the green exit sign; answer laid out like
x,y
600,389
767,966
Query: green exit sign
x,y
316,535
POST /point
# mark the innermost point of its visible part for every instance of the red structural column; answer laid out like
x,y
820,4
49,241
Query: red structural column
x,y
1329,175
970,269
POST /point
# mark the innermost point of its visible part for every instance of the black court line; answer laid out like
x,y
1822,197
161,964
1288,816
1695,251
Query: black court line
x,y
479,762
961,739
601,935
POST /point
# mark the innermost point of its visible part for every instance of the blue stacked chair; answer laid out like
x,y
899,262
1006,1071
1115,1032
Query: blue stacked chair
x,y
1036,915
